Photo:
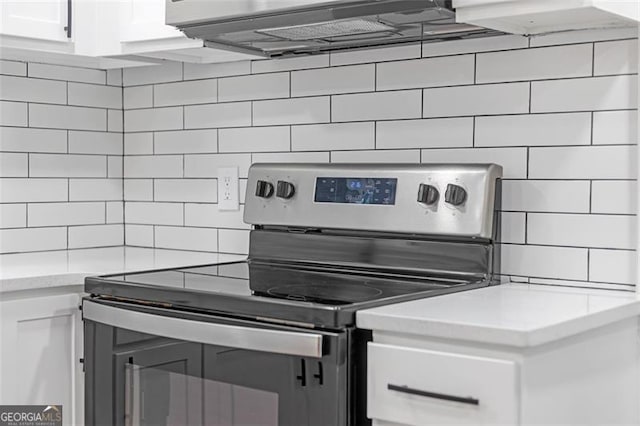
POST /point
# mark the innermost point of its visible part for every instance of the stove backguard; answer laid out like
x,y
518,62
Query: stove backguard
x,y
425,220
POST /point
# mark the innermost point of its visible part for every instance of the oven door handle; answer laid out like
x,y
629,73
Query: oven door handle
x,y
231,336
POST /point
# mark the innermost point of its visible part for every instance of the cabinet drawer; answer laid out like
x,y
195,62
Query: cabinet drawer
x,y
422,387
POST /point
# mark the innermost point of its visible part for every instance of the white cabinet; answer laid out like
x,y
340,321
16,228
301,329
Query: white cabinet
x,y
419,387
45,20
40,348
590,378
543,16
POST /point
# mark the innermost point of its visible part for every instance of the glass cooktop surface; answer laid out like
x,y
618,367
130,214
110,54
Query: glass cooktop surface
x,y
320,295
303,283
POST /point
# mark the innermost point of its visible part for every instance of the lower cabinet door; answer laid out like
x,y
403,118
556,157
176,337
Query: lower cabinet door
x,y
422,387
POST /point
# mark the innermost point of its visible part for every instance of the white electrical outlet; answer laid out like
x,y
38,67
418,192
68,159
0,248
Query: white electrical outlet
x,y
228,190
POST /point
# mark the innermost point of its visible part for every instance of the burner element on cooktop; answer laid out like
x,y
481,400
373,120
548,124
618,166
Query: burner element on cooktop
x,y
326,293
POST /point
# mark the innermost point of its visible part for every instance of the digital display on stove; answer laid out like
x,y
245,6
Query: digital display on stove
x,y
380,191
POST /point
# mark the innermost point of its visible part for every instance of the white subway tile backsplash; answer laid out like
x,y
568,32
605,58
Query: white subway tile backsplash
x,y
534,130
115,212
588,162
380,54
513,227
290,157
93,95
141,213
13,68
585,94
32,239
614,197
541,261
13,113
185,93
473,45
135,76
59,214
376,106
32,90
138,97
186,142
512,160
254,139
208,215
430,72
233,241
546,196
95,143
251,87
198,71
95,189
617,266
186,190
138,143
115,120
378,156
217,115
59,72
138,235
144,120
616,57
198,239
67,117
615,127
21,139
291,111
300,63
33,190
14,165
138,190
13,215
206,165
115,165
534,64
490,99
430,133
149,166
342,136
582,230
96,236
328,81
58,165
114,77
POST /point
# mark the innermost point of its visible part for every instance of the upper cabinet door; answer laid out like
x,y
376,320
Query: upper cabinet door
x,y
44,20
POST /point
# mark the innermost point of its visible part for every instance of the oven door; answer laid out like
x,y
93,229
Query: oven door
x,y
156,366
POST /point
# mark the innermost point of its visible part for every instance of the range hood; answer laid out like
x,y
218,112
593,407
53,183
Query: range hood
x,y
275,28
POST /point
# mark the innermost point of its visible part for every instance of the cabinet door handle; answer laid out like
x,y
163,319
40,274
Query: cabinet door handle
x,y
411,391
69,18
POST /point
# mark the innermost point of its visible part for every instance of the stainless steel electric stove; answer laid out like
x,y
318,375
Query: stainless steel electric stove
x,y
272,340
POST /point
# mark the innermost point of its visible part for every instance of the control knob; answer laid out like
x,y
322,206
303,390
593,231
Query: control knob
x,y
428,194
455,195
285,190
264,189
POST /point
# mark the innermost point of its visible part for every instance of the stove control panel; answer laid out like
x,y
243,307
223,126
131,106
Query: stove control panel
x,y
438,199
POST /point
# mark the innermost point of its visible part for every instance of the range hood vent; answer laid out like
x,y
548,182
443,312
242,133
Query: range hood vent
x,y
275,28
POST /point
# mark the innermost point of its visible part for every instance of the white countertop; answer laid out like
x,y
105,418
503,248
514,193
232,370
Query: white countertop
x,y
28,271
510,314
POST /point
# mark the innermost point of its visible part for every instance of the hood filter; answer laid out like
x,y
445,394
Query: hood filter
x,y
327,29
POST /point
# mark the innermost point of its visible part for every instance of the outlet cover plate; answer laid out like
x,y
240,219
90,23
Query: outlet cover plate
x,y
228,189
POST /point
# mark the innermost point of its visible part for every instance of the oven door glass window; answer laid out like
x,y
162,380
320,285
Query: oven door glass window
x,y
156,397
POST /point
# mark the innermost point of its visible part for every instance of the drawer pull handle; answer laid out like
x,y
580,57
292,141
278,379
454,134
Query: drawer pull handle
x,y
405,389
